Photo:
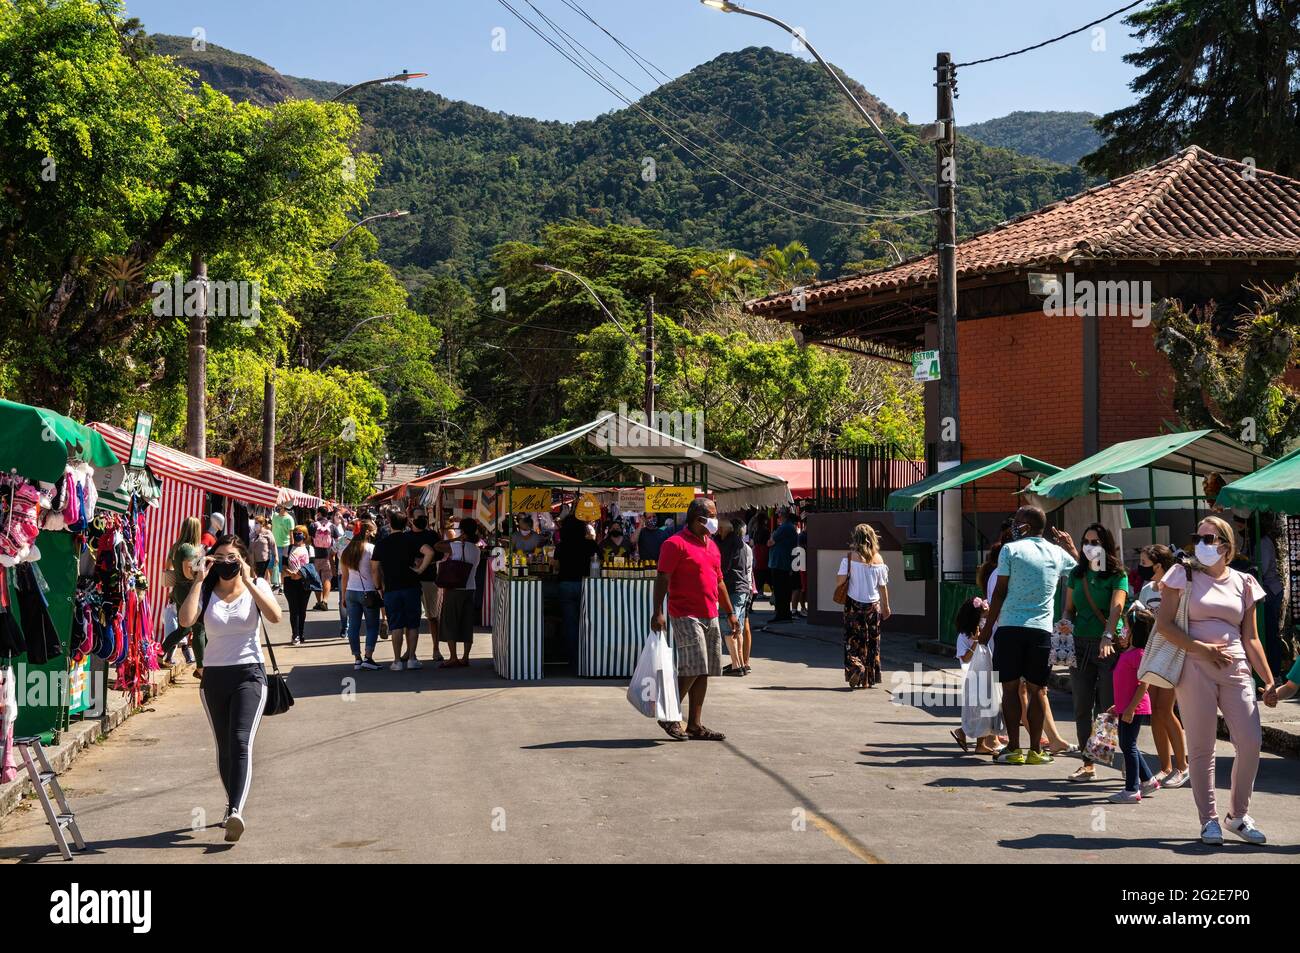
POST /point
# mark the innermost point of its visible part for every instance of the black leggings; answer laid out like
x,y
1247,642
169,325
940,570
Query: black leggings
x,y
296,594
233,696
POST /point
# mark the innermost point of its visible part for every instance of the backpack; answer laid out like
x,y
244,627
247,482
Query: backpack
x,y
321,537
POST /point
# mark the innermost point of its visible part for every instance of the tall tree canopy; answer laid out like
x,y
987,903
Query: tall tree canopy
x,y
1221,74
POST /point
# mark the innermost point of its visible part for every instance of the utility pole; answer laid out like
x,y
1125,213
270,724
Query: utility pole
x,y
949,449
650,362
268,427
196,392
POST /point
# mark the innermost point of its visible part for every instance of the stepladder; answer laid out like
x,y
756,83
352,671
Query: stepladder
x,y
46,783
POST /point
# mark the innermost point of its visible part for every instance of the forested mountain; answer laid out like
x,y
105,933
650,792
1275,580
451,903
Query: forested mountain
x,y
1064,137
779,156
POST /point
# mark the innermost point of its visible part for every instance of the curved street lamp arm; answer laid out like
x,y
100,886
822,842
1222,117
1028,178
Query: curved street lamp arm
x,y
591,291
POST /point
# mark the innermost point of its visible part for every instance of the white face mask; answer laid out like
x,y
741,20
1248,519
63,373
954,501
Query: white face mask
x,y
1095,555
711,524
1207,555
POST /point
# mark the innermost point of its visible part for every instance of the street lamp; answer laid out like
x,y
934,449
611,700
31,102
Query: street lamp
x,y
405,76
363,321
396,213
944,197
591,291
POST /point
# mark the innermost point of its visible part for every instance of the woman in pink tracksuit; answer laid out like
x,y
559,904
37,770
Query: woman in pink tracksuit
x,y
1222,647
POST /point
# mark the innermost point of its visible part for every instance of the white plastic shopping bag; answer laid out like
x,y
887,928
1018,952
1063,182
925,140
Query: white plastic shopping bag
x,y
653,691
981,702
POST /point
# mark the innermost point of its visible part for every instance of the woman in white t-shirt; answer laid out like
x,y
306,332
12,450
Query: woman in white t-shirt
x,y
232,604
355,585
866,607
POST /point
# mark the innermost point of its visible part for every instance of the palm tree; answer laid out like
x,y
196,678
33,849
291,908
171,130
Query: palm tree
x,y
724,278
787,267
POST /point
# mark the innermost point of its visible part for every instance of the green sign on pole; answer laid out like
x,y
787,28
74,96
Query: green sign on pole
x,y
140,439
925,365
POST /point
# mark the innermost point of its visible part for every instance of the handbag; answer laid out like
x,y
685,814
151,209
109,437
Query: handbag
x,y
311,577
1104,741
1162,661
841,594
1063,644
653,689
453,573
372,599
279,698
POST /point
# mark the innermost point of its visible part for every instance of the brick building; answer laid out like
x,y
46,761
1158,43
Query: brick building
x,y
1038,375
1196,227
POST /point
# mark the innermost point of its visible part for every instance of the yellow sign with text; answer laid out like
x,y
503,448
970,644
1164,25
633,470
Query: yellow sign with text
x,y
530,499
668,499
588,508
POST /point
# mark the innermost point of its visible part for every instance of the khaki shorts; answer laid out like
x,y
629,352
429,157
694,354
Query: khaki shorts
x,y
698,644
325,568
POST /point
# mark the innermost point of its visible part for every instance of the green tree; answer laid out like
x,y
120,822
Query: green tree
x,y
1235,381
114,172
332,412
1221,74
788,267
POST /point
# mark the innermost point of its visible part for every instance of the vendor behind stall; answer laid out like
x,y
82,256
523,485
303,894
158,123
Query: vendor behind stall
x,y
524,539
616,545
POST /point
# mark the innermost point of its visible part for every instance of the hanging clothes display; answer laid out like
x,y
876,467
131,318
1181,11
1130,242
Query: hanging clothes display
x,y
34,611
8,715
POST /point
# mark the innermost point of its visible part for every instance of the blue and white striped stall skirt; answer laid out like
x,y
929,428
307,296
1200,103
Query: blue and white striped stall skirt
x,y
518,627
615,622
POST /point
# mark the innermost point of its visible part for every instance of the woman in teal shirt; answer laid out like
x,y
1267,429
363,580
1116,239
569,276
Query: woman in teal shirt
x,y
1094,603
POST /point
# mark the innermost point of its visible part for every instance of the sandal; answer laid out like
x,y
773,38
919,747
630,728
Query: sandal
x,y
673,729
449,663
961,740
704,734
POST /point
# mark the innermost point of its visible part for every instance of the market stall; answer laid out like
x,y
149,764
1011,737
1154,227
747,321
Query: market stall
x,y
956,587
48,496
623,455
186,483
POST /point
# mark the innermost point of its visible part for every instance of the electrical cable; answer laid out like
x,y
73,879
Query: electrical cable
x,y
1055,39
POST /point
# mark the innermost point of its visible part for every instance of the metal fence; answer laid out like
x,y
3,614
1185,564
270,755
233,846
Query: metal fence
x,y
861,477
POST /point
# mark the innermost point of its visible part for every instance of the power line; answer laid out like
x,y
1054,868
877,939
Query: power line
x,y
809,195
598,79
1055,39
643,61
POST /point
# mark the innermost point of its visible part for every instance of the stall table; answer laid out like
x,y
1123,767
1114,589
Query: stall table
x,y
615,621
518,626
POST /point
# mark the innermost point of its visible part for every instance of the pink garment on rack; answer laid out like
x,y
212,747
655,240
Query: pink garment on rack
x,y
8,714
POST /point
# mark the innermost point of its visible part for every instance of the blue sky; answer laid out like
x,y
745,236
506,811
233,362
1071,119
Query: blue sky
x,y
887,45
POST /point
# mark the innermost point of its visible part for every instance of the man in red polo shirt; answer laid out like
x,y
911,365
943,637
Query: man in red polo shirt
x,y
690,575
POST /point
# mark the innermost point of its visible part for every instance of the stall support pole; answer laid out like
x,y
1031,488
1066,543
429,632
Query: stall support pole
x,y
1151,501
1196,508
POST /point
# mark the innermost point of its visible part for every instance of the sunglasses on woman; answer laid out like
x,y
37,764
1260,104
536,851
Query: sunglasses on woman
x,y
1209,539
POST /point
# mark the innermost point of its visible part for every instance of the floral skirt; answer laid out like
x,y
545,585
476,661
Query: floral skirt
x,y
861,643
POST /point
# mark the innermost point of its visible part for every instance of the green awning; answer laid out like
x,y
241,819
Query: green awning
x,y
1202,451
38,443
1018,464
1275,487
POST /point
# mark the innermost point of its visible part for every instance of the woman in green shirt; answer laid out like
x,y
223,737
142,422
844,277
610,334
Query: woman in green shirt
x,y
180,577
1094,604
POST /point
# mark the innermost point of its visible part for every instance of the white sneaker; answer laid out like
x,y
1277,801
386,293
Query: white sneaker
x,y
414,663
234,827
1212,833
1125,797
397,666
1244,827
1174,779
1150,787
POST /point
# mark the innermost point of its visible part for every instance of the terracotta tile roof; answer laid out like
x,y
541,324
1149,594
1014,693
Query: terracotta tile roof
x,y
1193,205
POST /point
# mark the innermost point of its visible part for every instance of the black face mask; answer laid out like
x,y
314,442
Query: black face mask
x,y
1146,573
226,570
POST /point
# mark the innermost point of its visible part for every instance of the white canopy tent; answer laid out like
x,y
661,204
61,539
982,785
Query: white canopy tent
x,y
630,441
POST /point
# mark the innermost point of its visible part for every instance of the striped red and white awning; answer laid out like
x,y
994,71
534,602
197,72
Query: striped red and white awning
x,y
173,464
291,497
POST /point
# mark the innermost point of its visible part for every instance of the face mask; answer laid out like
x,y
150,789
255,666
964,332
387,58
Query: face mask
x,y
711,524
1146,573
1207,555
1095,555
227,570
